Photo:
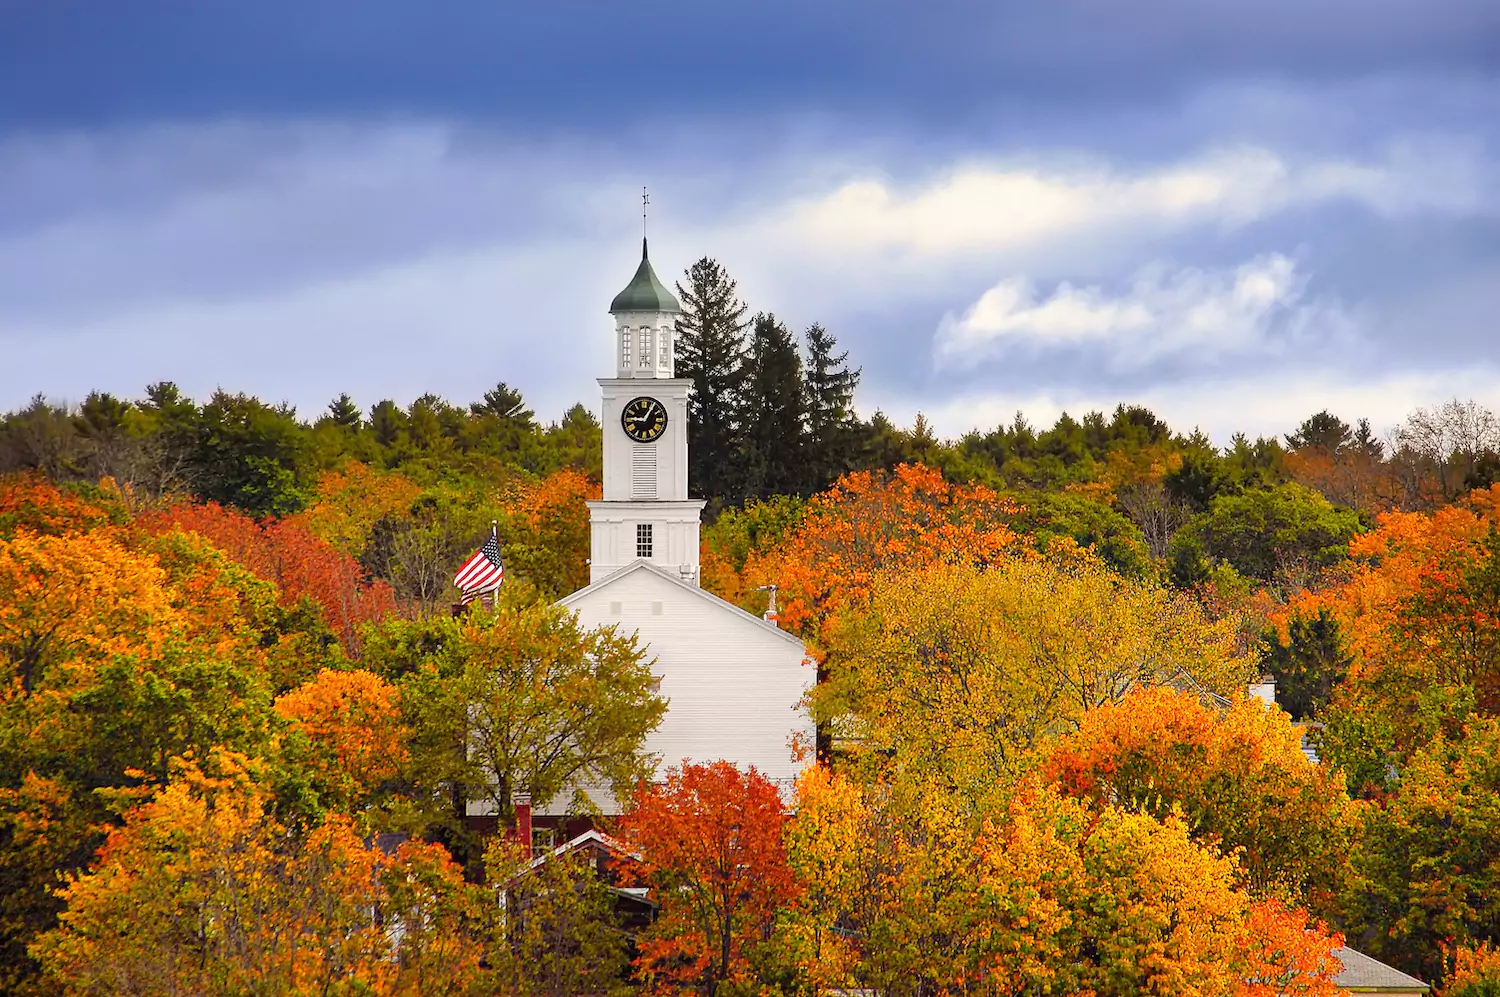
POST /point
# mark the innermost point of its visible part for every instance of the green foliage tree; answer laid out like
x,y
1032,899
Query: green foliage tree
x,y
521,699
1426,878
712,352
773,414
831,422
251,456
560,935
1283,535
1308,666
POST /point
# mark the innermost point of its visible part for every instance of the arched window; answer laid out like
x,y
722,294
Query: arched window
x,y
624,348
663,349
646,348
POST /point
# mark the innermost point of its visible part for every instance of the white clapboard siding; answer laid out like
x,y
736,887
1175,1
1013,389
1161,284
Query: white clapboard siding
x,y
734,683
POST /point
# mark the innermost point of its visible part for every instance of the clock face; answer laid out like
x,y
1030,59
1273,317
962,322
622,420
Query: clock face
x,y
644,419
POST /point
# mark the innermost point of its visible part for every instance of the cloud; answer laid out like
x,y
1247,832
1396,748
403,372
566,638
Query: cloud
x,y
1267,403
1208,314
988,207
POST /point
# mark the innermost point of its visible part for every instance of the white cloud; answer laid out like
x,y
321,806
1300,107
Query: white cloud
x,y
1255,308
995,206
1268,403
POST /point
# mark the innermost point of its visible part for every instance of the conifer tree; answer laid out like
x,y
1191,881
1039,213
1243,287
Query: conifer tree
x,y
711,350
343,412
774,415
831,436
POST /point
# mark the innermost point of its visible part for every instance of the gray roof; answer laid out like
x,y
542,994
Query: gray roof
x,y
701,593
644,293
1362,973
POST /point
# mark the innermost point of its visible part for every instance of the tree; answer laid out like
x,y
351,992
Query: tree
x,y
962,670
1283,536
1237,777
1308,666
1323,431
346,731
1044,895
710,840
560,936
830,409
287,554
251,456
870,522
543,706
711,350
773,414
1426,878
505,402
202,891
1457,443
344,413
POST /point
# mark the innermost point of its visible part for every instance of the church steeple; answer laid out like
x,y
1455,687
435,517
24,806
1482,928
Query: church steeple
x,y
645,322
644,293
645,513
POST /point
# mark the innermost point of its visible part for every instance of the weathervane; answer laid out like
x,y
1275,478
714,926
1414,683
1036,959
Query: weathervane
x,y
645,201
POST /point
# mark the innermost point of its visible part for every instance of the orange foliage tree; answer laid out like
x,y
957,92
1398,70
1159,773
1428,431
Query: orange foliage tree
x,y
350,501
348,731
547,534
297,561
870,522
710,841
202,891
30,502
1237,776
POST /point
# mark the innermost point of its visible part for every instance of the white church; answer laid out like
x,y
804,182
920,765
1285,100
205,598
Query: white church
x,y
734,682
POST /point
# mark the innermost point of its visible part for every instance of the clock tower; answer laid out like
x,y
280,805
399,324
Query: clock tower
x,y
645,513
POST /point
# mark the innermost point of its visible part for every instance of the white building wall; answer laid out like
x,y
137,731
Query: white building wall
x,y
734,684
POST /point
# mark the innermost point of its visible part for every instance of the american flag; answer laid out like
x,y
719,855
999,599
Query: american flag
x,y
483,572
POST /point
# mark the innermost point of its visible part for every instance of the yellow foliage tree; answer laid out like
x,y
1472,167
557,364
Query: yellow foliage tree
x,y
203,892
961,670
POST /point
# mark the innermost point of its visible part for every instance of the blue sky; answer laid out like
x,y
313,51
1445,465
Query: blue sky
x,y
1235,212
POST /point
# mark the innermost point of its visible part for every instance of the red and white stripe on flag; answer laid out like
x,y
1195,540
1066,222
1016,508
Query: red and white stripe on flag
x,y
481,573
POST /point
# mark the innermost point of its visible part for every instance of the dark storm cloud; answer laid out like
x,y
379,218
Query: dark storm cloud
x,y
610,65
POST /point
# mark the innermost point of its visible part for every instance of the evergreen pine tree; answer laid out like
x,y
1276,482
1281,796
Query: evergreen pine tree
x,y
711,350
344,413
774,414
831,427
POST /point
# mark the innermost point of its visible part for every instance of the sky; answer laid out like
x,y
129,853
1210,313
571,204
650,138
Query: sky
x,y
1237,213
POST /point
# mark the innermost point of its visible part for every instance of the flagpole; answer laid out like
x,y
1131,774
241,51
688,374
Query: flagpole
x,y
488,598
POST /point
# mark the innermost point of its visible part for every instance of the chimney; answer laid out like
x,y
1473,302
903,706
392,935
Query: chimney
x,y
771,615
522,803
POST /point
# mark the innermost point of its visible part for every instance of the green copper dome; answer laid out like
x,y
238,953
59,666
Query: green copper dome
x,y
644,293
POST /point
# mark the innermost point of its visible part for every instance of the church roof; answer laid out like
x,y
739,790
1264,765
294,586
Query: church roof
x,y
1363,974
644,293
644,565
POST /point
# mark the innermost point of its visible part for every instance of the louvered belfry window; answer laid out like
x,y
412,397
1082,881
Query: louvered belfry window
x,y
643,471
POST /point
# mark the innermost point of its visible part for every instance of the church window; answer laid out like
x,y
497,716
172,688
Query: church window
x,y
663,349
624,347
642,539
646,348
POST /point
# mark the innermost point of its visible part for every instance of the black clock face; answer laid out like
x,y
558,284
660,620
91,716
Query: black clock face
x,y
644,419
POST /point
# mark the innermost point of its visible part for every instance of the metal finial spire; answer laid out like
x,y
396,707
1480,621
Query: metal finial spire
x,y
645,202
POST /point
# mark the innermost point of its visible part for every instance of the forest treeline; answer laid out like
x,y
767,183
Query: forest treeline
x,y
240,725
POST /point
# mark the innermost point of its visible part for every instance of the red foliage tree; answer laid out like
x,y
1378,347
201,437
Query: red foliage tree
x,y
298,562
710,841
